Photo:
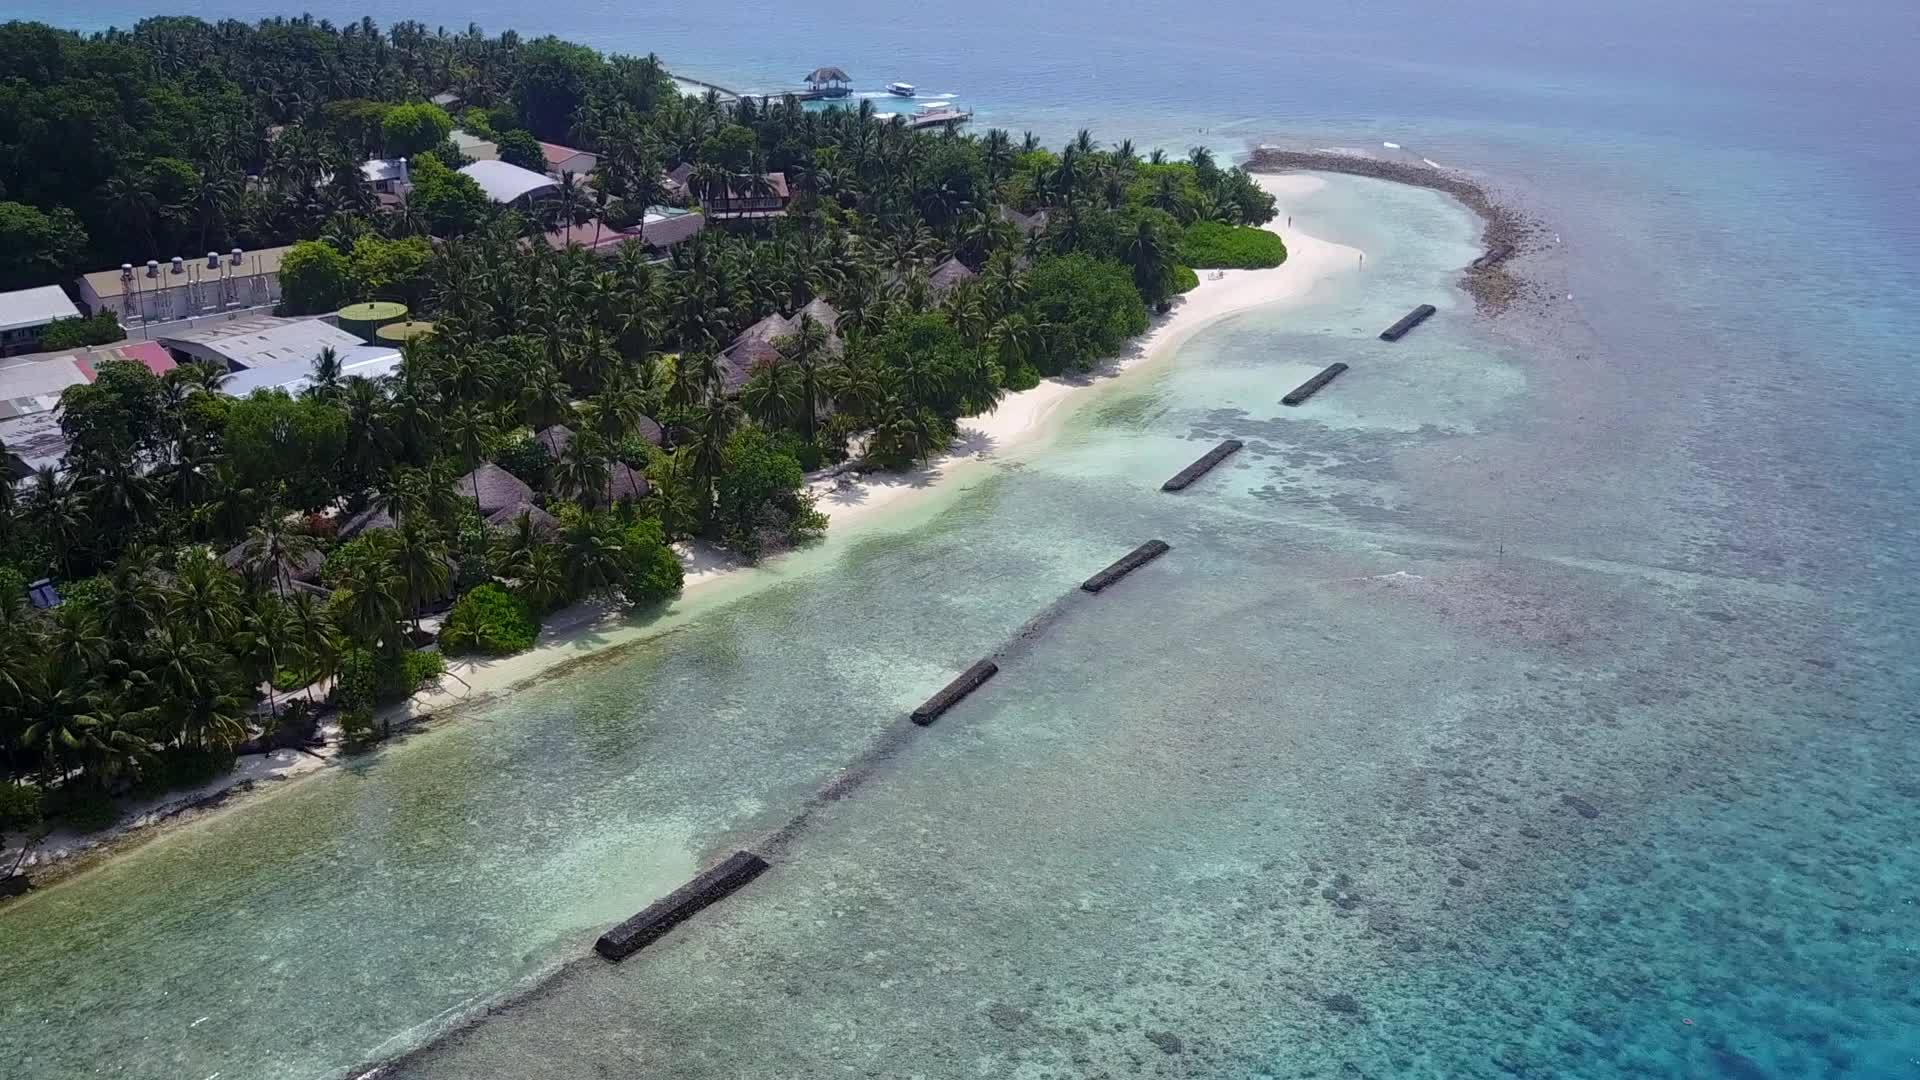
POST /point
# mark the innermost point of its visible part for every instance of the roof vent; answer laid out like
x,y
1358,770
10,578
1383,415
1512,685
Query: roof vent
x,y
179,265
235,257
213,260
126,271
153,268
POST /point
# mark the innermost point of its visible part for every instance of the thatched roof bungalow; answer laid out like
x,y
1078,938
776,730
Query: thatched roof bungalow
x,y
948,275
1028,224
759,344
508,517
494,488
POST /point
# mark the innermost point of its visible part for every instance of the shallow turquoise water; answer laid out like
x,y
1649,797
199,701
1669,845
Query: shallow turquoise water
x,y
1653,547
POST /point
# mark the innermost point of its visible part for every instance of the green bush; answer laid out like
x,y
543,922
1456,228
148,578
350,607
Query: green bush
x,y
370,677
1184,279
84,809
19,806
356,726
78,333
489,620
1211,245
182,767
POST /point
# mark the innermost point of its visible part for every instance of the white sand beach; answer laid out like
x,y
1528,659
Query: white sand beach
x,y
587,629
852,498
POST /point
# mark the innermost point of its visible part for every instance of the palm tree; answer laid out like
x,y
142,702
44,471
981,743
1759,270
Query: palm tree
x,y
313,637
325,382
267,632
805,349
542,578
367,602
420,562
1147,252
273,549
53,509
471,428
584,472
130,198
772,394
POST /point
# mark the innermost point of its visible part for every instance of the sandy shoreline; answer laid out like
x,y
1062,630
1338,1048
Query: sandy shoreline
x,y
590,630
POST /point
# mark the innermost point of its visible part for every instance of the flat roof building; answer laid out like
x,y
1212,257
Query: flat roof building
x,y
185,288
26,312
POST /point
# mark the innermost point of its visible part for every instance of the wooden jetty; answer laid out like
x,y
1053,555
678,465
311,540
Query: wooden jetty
x,y
1205,465
1407,322
680,905
939,114
1314,385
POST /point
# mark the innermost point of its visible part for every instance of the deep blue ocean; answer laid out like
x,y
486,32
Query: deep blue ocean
x,y
1714,468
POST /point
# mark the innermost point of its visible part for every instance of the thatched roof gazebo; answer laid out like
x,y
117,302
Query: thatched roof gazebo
x,y
828,81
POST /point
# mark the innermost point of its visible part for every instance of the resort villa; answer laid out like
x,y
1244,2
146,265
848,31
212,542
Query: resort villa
x,y
185,288
749,199
660,229
562,160
25,314
758,344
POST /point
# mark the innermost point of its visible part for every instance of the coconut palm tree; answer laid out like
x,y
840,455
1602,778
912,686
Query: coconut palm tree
x,y
420,561
584,472
324,384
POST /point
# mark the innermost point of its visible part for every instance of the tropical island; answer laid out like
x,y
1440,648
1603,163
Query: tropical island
x,y
633,320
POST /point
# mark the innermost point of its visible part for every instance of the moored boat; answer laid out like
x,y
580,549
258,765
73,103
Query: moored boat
x,y
901,89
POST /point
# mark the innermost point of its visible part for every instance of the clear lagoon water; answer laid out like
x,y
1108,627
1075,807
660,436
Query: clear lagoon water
x,y
1541,701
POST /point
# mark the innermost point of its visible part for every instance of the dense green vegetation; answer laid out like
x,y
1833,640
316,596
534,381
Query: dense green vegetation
x,y
165,648
1215,245
75,333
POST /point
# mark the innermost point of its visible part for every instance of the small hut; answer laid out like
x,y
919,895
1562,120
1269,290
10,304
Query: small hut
x,y
829,82
754,346
947,275
508,517
495,488
624,484
556,438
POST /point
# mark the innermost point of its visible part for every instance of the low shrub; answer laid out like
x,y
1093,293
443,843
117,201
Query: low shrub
x,y
1211,245
84,809
489,620
80,332
180,767
1184,279
19,806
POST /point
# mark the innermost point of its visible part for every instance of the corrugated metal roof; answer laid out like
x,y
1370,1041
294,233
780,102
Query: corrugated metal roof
x,y
504,183
23,381
262,341
363,361
35,307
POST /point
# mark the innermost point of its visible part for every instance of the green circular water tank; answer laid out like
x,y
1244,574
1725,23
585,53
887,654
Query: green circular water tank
x,y
403,331
365,320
